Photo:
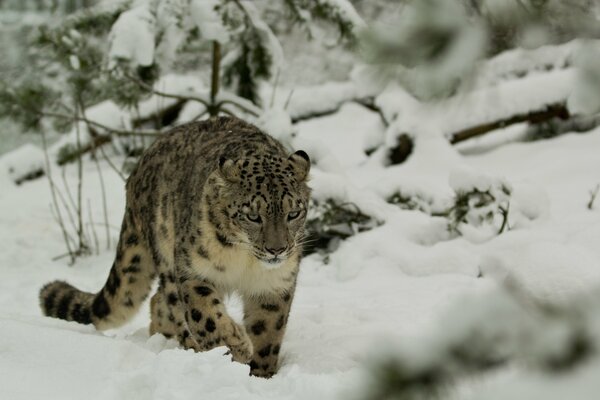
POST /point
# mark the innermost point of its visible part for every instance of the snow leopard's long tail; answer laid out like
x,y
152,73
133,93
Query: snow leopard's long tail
x,y
127,286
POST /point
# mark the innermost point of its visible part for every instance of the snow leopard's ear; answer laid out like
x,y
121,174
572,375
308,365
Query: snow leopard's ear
x,y
229,170
300,163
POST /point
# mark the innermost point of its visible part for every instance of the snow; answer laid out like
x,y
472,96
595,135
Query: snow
x,y
512,256
347,12
175,84
208,20
504,100
265,34
18,164
70,361
132,36
495,326
302,101
585,99
277,123
390,283
74,61
424,175
339,141
171,16
408,286
520,63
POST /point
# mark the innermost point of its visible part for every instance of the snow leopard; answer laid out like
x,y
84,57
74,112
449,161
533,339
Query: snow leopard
x,y
212,207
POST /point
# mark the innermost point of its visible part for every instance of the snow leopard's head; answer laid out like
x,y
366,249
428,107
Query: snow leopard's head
x,y
265,198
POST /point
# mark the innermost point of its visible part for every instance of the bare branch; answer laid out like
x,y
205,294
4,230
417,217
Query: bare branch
x,y
220,98
103,190
117,132
111,164
54,201
504,212
66,186
92,227
153,90
244,107
593,194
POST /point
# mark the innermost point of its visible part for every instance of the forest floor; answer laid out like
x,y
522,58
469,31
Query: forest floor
x,y
380,288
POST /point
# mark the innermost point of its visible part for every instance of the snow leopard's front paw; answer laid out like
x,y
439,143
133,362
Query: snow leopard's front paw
x,y
262,371
240,345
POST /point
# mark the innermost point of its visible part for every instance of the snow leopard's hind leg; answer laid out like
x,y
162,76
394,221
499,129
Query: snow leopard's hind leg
x,y
161,320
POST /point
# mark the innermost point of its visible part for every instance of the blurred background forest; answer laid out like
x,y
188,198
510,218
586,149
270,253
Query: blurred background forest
x,y
448,138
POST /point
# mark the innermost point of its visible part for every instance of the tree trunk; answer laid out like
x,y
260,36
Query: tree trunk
x,y
214,83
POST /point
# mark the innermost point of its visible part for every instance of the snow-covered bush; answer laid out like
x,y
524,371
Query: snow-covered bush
x,y
22,164
414,201
472,57
330,221
438,37
488,331
436,48
480,202
479,208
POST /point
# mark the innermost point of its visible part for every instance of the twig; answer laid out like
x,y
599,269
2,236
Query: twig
x,y
153,90
68,208
56,219
369,103
92,227
288,100
56,258
241,106
66,186
111,164
95,142
275,84
104,207
139,118
227,111
80,235
593,194
102,189
200,115
504,212
54,201
249,108
117,132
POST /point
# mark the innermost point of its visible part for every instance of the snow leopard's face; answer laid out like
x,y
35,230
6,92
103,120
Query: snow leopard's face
x,y
266,199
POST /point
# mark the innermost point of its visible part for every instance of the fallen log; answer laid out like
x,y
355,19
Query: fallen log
x,y
551,112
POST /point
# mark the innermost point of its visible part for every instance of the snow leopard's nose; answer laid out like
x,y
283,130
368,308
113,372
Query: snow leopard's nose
x,y
275,251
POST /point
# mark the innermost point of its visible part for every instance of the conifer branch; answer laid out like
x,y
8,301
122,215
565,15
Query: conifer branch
x,y
79,118
200,99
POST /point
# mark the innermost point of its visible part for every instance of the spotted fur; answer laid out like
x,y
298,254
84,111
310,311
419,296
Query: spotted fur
x,y
212,207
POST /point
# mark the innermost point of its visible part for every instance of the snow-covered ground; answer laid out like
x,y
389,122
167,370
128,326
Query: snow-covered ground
x,y
388,285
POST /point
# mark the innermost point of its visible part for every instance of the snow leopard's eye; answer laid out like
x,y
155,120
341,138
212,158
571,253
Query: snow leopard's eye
x,y
254,218
293,215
